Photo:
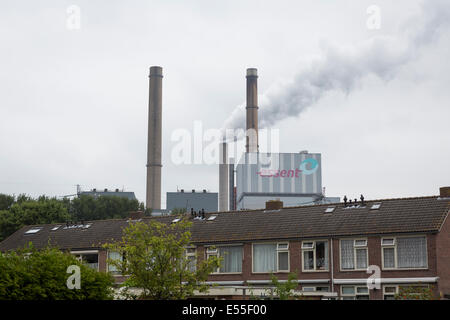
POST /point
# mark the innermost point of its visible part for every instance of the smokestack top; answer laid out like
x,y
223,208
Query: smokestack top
x,y
252,72
156,71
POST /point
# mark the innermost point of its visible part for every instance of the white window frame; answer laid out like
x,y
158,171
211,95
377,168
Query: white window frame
x,y
355,294
397,288
278,251
313,249
192,254
86,252
216,252
389,293
114,273
394,246
355,248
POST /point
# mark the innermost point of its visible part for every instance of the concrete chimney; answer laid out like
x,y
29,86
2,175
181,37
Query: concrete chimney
x,y
153,195
252,111
223,177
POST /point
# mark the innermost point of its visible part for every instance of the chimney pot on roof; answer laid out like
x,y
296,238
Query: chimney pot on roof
x,y
444,192
274,205
106,190
193,190
135,215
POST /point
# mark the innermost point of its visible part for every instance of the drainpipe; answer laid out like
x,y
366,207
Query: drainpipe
x,y
332,265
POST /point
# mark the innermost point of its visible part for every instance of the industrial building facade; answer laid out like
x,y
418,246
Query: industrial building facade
x,y
293,178
329,247
196,201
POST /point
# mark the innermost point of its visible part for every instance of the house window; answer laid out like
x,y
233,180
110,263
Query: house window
x,y
315,255
354,254
231,258
192,258
389,292
88,258
268,257
115,256
404,252
354,293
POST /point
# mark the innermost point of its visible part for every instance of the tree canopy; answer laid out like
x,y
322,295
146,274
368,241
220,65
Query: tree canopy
x,y
23,210
30,274
155,260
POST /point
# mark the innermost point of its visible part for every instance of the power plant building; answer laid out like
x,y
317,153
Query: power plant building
x,y
196,200
294,178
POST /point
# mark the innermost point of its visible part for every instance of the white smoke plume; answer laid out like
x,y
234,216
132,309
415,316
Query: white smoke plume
x,y
341,68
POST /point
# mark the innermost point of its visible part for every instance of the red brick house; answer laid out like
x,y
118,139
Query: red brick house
x,y
329,247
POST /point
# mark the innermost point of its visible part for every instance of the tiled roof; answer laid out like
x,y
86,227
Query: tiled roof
x,y
421,214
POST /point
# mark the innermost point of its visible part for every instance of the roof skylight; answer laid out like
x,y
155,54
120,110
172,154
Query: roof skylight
x,y
33,230
212,218
329,209
375,206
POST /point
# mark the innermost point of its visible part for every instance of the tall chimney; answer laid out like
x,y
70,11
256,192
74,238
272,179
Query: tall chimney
x,y
252,111
223,177
153,199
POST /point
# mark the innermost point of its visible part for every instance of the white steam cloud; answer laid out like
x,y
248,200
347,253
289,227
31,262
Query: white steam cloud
x,y
341,68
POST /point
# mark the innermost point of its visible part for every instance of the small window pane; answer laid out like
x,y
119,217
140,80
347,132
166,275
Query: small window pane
x,y
362,297
308,260
362,290
389,289
347,257
360,243
307,245
361,258
283,261
348,290
388,257
321,255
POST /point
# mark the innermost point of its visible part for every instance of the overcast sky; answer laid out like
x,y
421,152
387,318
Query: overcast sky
x,y
74,102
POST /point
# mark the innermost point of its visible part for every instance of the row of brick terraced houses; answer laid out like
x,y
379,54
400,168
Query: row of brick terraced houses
x,y
330,247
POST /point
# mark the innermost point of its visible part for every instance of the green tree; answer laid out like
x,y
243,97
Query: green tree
x,y
104,207
30,274
283,290
30,212
155,260
6,201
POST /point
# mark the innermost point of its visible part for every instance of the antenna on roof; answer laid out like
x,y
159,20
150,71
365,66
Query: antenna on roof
x,y
362,200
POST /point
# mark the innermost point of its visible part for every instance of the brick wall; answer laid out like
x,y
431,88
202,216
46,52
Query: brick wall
x,y
443,258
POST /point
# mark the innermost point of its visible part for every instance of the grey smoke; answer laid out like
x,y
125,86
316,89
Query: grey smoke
x,y
342,68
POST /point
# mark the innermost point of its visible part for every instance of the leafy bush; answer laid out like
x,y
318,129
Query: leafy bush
x,y
31,274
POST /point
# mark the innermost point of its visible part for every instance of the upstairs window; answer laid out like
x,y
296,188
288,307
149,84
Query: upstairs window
x,y
231,261
315,255
404,252
354,254
271,257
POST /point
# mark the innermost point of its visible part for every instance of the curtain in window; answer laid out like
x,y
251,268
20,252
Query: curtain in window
x,y
412,252
113,256
361,258
264,257
308,260
347,258
389,260
231,259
